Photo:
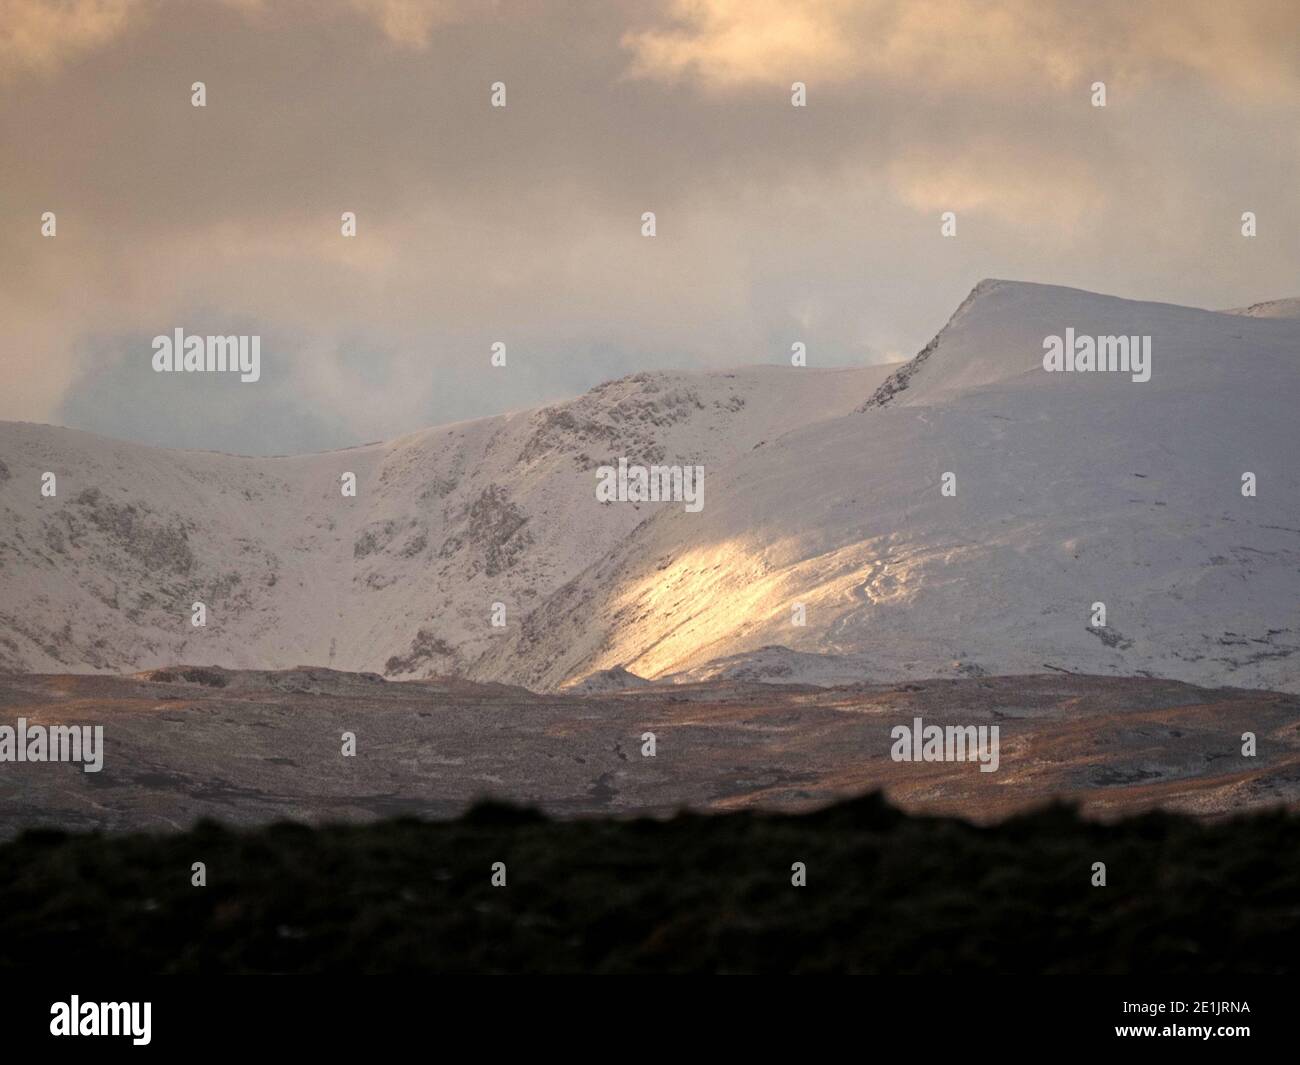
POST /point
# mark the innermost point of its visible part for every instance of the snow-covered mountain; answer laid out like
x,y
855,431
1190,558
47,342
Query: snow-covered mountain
x,y
400,579
822,490
1071,489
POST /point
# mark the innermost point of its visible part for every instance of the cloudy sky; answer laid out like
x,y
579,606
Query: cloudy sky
x,y
522,224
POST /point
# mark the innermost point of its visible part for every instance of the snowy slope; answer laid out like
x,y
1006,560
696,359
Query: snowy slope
x,y
400,579
1071,489
822,489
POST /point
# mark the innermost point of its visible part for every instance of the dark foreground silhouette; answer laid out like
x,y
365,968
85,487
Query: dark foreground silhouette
x,y
886,892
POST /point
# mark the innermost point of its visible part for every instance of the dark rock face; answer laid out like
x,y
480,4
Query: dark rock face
x,y
425,649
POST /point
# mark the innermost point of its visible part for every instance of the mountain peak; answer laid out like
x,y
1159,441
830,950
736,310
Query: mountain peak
x,y
995,338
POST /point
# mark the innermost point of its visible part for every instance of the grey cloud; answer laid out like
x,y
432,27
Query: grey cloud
x,y
521,225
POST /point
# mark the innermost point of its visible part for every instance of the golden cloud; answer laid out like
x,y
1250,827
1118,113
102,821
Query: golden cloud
x,y
38,35
409,22
1250,47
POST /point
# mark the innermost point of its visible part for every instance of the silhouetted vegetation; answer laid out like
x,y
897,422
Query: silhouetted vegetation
x,y
885,893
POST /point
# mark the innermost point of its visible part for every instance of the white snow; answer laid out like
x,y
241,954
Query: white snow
x,y
822,488
402,579
1071,489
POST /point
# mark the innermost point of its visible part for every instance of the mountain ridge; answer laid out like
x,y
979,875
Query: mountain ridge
x,y
500,509
1134,485
1072,489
